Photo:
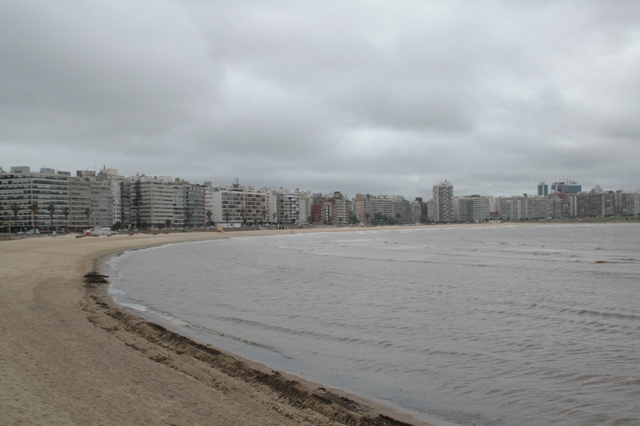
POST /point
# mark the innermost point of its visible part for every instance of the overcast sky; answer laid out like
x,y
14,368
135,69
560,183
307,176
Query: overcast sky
x,y
352,96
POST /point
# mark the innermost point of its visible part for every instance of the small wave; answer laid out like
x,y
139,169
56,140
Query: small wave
x,y
608,314
135,307
116,291
238,339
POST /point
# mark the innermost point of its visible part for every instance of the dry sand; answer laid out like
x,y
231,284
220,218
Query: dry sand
x,y
68,355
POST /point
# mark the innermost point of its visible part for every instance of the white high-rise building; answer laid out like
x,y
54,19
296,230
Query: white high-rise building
x,y
235,204
24,188
472,208
443,202
115,182
306,205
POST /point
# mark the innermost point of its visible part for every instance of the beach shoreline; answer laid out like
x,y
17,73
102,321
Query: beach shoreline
x,y
72,355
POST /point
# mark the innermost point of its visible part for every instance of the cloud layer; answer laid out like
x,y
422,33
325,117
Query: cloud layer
x,y
380,97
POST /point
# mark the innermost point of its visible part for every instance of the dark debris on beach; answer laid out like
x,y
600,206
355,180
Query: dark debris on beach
x,y
95,278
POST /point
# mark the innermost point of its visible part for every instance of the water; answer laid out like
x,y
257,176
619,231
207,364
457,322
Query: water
x,y
508,325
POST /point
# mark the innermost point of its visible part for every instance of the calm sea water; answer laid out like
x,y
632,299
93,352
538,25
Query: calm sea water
x,y
496,325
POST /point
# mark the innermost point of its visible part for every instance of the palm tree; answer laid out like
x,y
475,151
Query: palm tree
x,y
398,216
188,215
52,209
34,210
226,217
286,219
66,212
209,214
274,216
167,224
87,212
366,215
242,213
16,209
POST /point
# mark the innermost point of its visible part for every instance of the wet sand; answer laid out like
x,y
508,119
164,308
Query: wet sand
x,y
69,355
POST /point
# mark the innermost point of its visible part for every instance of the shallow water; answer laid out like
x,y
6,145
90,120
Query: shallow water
x,y
508,325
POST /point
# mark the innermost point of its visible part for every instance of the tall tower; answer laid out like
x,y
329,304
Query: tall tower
x,y
443,202
543,189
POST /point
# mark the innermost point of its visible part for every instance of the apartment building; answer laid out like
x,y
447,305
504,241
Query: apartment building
x,y
443,202
369,207
235,204
120,194
592,204
525,207
471,208
331,209
288,207
306,206
24,188
154,204
195,212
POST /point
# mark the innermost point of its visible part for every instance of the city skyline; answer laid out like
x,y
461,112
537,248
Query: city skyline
x,y
557,186
108,199
358,97
426,195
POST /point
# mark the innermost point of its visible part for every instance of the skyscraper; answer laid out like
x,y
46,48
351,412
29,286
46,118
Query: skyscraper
x,y
568,186
443,202
543,189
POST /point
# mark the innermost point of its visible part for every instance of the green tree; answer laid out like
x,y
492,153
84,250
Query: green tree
x,y
226,217
242,213
117,226
188,215
87,213
366,215
52,209
136,203
167,224
34,210
16,209
353,218
209,214
380,218
398,216
66,213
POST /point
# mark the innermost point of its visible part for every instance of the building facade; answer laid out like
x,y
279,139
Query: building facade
x,y
235,205
21,189
443,202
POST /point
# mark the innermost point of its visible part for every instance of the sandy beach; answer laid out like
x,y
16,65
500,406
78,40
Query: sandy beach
x,y
69,355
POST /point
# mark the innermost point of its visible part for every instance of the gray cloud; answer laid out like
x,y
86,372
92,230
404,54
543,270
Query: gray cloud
x,y
351,96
